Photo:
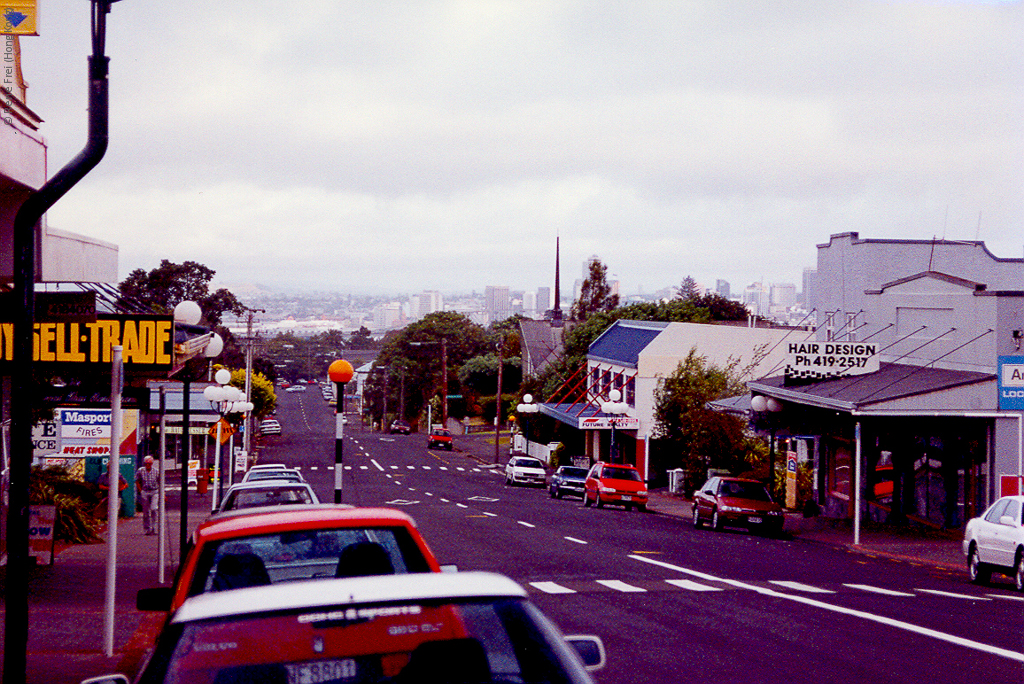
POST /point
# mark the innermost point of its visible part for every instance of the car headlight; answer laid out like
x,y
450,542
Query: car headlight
x,y
641,492
607,490
729,509
774,512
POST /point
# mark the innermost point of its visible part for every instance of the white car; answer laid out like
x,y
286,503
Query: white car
x,y
262,493
994,542
270,427
288,474
525,470
295,388
436,627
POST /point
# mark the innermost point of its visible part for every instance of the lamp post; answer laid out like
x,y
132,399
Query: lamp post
x,y
616,407
340,372
527,408
767,407
225,399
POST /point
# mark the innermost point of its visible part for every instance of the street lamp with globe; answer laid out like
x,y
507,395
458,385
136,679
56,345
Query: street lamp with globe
x,y
340,372
616,408
225,399
527,408
768,407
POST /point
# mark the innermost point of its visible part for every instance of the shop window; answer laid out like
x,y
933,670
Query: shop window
x,y
631,391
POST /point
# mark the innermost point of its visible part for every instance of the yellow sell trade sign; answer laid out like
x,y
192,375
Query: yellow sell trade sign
x,y
145,341
18,17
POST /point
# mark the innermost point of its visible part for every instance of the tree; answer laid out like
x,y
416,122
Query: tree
x,y
702,437
361,339
595,293
687,290
170,284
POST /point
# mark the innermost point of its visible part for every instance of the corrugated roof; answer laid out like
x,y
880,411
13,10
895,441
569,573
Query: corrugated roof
x,y
623,341
891,381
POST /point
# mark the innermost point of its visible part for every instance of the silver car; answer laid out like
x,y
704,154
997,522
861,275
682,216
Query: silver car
x,y
994,542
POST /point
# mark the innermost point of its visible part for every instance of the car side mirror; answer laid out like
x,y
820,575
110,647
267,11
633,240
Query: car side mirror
x,y
590,649
1007,520
154,599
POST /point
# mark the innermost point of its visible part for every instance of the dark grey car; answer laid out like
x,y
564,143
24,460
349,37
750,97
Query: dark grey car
x,y
567,480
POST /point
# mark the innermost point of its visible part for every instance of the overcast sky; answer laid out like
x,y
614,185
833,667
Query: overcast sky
x,y
402,145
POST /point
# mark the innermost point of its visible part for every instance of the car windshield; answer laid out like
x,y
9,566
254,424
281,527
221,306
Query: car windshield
x,y
754,491
573,472
269,496
305,554
494,640
528,463
270,474
615,473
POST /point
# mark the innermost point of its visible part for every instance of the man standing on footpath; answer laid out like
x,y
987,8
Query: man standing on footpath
x,y
147,481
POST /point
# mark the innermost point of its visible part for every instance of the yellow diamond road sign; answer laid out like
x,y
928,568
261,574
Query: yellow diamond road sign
x,y
226,430
18,17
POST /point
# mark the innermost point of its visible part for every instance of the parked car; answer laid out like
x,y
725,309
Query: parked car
x,y
289,474
616,484
270,427
295,388
261,493
400,426
737,502
525,470
233,551
439,438
567,480
452,627
994,542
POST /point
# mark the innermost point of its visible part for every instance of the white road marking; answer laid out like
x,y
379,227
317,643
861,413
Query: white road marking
x,y
462,505
953,595
445,501
898,624
411,467
691,585
378,465
575,540
424,467
525,524
394,467
798,586
362,467
439,467
492,515
461,470
1008,598
551,588
877,590
619,585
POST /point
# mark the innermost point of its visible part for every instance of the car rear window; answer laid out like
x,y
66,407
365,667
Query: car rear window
x,y
614,473
754,491
576,472
501,640
272,496
304,555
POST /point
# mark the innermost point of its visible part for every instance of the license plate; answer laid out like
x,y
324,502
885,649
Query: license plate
x,y
321,671
626,497
755,520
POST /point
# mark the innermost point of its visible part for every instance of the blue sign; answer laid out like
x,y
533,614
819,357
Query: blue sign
x,y
1011,383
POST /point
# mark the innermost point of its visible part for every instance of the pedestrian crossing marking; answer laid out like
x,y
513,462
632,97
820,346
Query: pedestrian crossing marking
x,y
551,588
877,590
619,585
690,585
800,586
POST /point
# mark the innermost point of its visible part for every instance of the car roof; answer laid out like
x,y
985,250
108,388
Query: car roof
x,y
725,478
266,484
269,466
299,517
338,592
253,510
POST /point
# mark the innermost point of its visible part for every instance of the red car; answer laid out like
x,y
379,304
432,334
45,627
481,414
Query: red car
x,y
736,501
439,438
621,485
287,544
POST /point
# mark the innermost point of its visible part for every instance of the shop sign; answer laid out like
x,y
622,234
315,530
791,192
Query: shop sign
x,y
606,422
823,360
146,341
1011,383
18,18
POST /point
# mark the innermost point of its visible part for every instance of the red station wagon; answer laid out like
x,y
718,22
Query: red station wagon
x,y
621,485
300,543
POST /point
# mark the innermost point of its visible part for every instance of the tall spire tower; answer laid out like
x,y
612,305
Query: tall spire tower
x,y
556,310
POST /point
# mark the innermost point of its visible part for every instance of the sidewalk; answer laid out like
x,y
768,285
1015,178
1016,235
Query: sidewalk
x,y
936,548
67,599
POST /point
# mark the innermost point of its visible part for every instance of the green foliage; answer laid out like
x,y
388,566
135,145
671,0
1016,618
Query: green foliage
x,y
480,374
701,437
595,293
164,287
264,399
687,290
74,501
361,339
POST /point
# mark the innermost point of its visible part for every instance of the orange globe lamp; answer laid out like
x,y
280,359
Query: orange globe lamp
x,y
340,371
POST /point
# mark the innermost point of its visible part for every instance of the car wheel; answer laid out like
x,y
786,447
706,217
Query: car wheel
x,y
551,492
715,523
642,508
976,570
586,499
506,480
558,493
597,500
1018,570
697,524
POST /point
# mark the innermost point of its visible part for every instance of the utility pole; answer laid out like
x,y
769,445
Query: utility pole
x,y
247,431
497,403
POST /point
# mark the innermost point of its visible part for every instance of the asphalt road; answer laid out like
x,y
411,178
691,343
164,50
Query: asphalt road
x,y
670,602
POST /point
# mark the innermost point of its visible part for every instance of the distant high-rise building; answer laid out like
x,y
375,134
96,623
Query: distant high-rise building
x,y
497,302
722,288
808,296
756,297
783,295
544,299
530,304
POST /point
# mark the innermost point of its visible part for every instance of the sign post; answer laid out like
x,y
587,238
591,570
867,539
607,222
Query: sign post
x,y
340,373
